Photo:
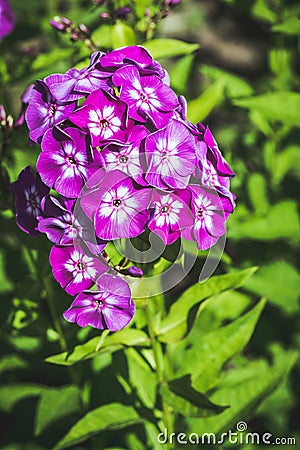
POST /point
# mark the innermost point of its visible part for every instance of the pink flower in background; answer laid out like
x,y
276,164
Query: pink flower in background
x,y
7,18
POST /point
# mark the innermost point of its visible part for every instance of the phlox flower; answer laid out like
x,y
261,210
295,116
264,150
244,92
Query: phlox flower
x,y
74,269
44,111
147,97
103,116
109,307
171,214
66,161
65,223
29,191
210,213
75,84
118,207
170,155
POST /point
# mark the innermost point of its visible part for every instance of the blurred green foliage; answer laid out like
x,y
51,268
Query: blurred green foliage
x,y
215,355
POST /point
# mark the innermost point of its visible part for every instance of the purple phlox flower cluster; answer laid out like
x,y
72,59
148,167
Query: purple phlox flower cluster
x,y
7,18
123,161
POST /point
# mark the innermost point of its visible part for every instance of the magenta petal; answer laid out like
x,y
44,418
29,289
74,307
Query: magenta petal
x,y
116,319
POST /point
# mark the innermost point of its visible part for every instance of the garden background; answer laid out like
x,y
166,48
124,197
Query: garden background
x,y
218,352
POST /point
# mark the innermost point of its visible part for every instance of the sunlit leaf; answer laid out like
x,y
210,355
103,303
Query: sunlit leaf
x,y
281,221
200,107
113,416
11,394
204,357
185,400
288,26
279,282
111,343
173,327
54,404
121,35
142,378
165,48
275,106
179,73
257,189
244,389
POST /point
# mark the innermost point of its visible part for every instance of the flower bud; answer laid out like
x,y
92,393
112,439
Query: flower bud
x,y
2,115
123,12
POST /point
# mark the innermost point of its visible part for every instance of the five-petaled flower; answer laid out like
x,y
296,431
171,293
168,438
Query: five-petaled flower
x,y
109,307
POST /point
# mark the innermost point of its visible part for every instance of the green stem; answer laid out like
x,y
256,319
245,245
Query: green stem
x,y
158,357
54,314
46,284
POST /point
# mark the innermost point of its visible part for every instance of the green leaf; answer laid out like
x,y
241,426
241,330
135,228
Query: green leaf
x,y
268,227
55,404
221,307
122,35
286,161
257,189
101,37
281,106
234,86
174,326
11,394
280,283
165,48
179,73
289,26
5,284
11,363
142,377
244,389
113,416
184,399
200,107
261,10
205,357
58,57
127,337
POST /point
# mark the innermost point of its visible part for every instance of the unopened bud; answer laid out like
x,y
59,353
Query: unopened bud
x,y
83,28
123,12
2,115
104,15
66,21
74,36
133,271
56,25
9,121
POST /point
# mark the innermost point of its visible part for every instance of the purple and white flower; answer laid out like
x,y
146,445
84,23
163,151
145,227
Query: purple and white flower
x,y
170,155
66,161
147,97
210,213
75,84
119,205
103,116
171,214
74,269
110,307
29,191
44,111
